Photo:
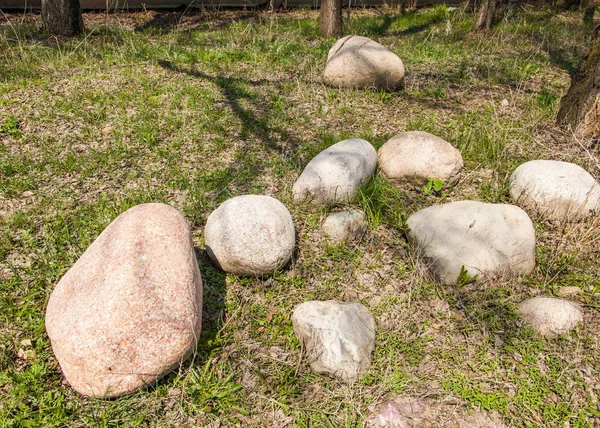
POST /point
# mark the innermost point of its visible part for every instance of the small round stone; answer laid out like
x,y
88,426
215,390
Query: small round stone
x,y
250,235
550,316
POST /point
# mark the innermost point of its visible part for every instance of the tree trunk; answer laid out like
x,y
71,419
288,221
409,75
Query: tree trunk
x,y
62,17
485,15
580,108
331,18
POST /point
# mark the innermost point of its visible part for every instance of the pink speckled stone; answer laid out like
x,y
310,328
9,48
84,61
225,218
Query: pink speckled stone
x,y
129,311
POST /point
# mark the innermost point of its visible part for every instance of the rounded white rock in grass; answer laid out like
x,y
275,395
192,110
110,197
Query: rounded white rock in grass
x,y
338,337
484,238
250,235
556,190
549,316
359,62
416,156
344,226
336,174
129,310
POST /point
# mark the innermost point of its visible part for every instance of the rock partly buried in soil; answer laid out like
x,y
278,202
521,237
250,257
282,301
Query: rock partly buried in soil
x,y
335,174
549,316
338,337
556,190
484,238
250,235
345,226
129,310
359,62
410,412
415,156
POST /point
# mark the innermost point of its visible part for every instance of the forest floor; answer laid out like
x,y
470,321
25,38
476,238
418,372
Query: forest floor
x,y
193,107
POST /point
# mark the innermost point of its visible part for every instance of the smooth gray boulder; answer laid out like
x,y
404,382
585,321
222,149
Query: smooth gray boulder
x,y
416,156
549,316
336,174
484,238
359,62
555,190
338,337
345,226
129,310
250,235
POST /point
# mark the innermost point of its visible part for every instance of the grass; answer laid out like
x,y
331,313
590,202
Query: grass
x,y
191,109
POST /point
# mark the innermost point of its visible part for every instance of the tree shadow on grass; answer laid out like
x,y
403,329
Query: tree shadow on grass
x,y
253,111
382,28
213,305
188,19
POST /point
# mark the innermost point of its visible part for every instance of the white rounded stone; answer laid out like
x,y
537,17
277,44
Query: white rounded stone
x,y
338,337
129,310
336,174
416,156
344,226
549,316
484,238
250,235
359,62
556,190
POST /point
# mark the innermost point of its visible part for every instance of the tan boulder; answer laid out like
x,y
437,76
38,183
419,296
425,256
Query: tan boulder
x,y
359,62
129,310
416,156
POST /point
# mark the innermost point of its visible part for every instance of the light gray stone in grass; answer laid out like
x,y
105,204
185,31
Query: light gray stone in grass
x,y
484,238
344,226
359,62
129,310
549,316
336,174
556,190
250,235
416,156
338,337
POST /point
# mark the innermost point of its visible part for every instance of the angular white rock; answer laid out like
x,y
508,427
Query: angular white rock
x,y
250,235
338,337
344,226
556,190
359,62
335,174
416,156
549,316
484,238
129,310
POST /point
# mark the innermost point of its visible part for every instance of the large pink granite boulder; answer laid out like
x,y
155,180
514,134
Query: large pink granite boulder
x,y
129,310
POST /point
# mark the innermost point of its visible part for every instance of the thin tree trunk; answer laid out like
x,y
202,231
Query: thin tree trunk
x,y
485,14
62,17
331,18
580,108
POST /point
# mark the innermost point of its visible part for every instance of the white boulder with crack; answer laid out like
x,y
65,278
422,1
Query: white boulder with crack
x,y
483,238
